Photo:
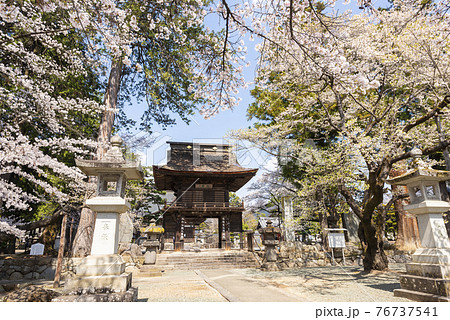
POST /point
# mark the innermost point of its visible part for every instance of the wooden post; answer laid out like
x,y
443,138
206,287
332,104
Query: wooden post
x,y
71,233
227,232
179,236
220,225
250,241
62,244
241,240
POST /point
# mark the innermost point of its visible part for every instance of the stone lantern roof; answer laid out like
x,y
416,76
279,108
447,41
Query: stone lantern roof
x,y
112,162
420,172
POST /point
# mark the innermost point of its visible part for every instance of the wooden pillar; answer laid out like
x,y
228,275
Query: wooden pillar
x,y
249,240
179,235
220,232
226,222
241,240
62,244
72,222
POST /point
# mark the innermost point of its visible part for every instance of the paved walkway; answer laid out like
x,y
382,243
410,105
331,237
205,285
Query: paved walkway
x,y
176,286
238,287
319,284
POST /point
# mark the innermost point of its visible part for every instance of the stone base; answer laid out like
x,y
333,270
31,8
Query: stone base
x,y
419,296
432,256
434,286
148,271
115,283
428,276
128,296
150,257
99,265
441,271
270,266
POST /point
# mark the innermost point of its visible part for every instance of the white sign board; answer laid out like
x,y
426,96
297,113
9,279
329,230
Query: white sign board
x,y
37,249
336,240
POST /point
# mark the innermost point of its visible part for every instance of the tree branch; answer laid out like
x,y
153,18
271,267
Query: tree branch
x,y
44,222
430,150
445,102
350,200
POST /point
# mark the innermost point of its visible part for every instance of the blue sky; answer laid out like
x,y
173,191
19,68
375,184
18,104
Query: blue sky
x,y
216,128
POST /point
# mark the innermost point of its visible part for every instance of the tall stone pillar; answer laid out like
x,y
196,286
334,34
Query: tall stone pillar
x,y
288,219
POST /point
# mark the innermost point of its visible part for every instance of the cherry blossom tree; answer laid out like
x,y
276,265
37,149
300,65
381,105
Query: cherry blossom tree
x,y
158,51
47,108
162,53
370,84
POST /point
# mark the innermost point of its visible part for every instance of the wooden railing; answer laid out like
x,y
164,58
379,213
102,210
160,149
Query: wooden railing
x,y
200,205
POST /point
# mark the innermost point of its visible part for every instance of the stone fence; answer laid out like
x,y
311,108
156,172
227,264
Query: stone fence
x,y
297,255
291,255
16,268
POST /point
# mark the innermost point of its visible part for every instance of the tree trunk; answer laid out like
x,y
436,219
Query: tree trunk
x,y
374,255
83,239
111,94
324,227
408,238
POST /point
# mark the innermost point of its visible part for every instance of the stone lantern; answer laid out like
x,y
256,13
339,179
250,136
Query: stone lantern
x,y
428,275
152,244
271,238
104,267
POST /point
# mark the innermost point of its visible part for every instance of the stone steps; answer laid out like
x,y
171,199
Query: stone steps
x,y
419,296
433,286
205,260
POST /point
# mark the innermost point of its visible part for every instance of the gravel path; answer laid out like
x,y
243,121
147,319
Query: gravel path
x,y
316,284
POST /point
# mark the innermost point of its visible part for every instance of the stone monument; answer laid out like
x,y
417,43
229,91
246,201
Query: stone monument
x,y
37,249
126,229
288,219
428,275
104,268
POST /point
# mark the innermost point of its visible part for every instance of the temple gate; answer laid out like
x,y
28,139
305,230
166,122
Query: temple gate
x,y
201,177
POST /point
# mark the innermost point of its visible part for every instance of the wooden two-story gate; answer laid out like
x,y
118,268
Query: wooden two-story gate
x,y
201,177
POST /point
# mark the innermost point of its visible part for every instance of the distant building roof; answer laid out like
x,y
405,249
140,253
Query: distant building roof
x,y
201,160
